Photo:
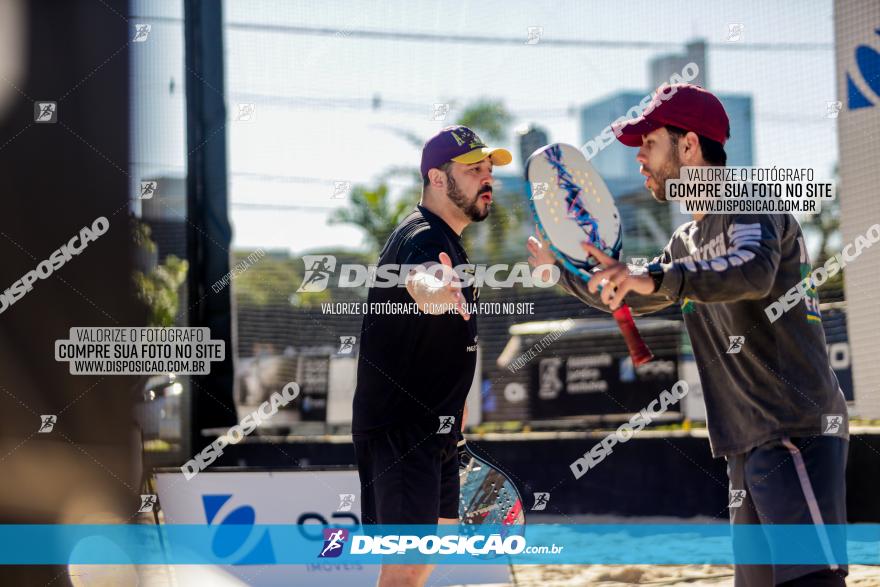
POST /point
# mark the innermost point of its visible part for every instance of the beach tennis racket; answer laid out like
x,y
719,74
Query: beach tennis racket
x,y
572,204
488,496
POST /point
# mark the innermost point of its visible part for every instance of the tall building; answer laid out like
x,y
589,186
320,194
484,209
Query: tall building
x,y
662,67
531,138
647,227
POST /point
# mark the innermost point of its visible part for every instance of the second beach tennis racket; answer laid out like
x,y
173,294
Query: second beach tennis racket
x,y
488,496
571,203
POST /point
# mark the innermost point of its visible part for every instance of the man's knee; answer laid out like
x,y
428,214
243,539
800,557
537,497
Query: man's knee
x,y
404,575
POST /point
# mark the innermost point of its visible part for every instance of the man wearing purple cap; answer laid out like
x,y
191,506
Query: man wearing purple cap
x,y
415,370
768,387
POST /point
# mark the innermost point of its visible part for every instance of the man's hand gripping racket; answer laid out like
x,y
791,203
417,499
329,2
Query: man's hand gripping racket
x,y
611,296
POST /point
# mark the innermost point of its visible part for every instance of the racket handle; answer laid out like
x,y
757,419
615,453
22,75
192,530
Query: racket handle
x,y
638,350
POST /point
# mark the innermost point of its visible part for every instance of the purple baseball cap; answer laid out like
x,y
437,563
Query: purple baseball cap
x,y
459,144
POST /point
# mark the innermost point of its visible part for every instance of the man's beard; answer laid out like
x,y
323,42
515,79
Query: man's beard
x,y
470,208
670,170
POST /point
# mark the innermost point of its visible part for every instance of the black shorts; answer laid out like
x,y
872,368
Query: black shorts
x,y
408,475
792,481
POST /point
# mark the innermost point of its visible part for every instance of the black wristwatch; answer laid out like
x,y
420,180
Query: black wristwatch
x,y
655,270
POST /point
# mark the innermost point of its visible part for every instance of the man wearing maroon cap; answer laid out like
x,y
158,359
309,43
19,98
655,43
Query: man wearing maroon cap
x,y
415,371
774,408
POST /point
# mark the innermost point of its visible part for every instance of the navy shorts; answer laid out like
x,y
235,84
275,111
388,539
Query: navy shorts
x,y
408,475
792,481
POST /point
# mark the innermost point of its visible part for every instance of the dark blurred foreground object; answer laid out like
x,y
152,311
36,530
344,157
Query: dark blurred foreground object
x,y
62,168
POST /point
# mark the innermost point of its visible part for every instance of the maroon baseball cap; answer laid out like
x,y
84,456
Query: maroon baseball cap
x,y
683,105
461,144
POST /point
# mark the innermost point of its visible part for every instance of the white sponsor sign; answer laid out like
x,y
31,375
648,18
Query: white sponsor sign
x,y
285,497
858,126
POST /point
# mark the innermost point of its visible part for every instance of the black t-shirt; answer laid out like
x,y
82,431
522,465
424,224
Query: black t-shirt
x,y
414,368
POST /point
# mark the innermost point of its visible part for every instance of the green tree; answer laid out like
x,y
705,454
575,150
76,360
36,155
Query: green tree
x,y
826,226
269,281
489,118
273,280
373,210
159,287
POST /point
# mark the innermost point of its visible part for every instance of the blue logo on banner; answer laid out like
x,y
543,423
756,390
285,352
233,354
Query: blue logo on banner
x,y
868,62
233,538
334,538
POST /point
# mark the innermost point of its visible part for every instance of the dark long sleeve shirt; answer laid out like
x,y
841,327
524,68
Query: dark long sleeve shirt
x,y
724,270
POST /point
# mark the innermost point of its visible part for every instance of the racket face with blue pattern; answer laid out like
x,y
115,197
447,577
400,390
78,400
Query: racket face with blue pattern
x,y
571,204
488,496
